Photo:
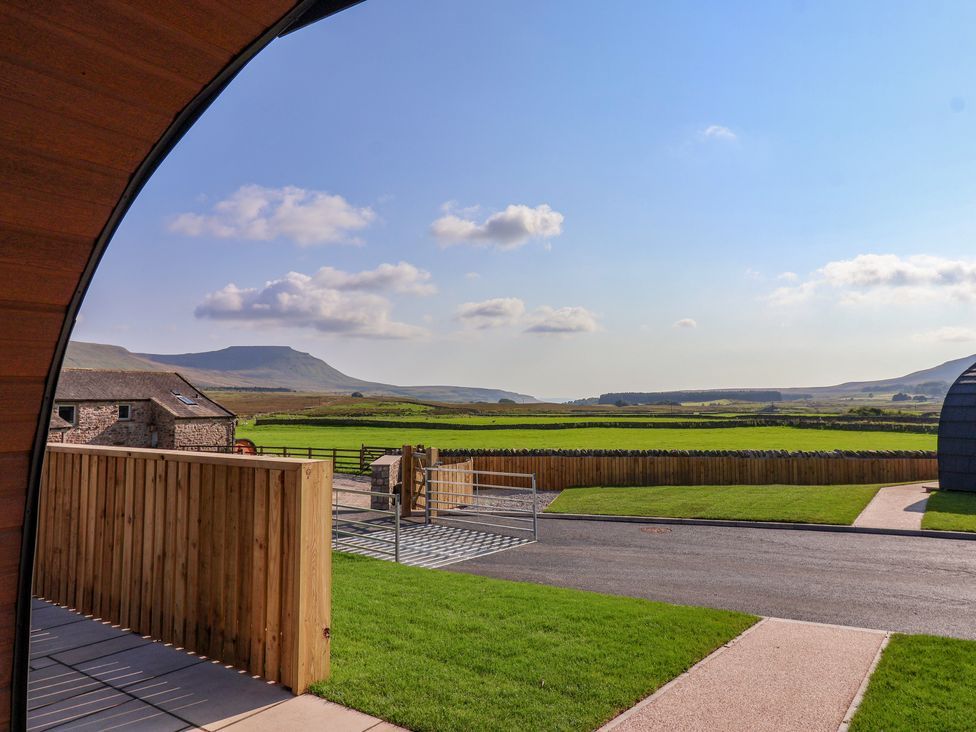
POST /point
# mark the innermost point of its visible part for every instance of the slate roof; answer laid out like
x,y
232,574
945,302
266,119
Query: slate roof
x,y
59,424
162,387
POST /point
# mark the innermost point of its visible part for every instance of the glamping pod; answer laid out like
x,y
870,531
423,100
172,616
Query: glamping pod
x,y
957,435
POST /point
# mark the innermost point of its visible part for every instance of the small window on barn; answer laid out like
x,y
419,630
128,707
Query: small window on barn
x,y
67,413
125,412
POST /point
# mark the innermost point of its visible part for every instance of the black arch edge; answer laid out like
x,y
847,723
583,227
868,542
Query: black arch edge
x,y
303,13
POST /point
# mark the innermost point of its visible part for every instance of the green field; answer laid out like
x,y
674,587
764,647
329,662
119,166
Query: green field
x,y
950,511
922,683
438,651
594,438
814,504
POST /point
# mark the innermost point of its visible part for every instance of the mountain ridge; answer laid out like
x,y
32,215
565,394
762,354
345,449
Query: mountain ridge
x,y
268,366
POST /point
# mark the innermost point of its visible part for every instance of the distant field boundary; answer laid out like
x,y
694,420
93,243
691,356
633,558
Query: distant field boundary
x,y
560,469
819,423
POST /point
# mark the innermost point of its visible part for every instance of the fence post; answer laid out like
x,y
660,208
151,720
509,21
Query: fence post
x,y
408,480
396,529
535,510
428,474
308,590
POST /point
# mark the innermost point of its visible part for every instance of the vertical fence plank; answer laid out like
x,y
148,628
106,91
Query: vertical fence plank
x,y
259,572
272,637
146,592
182,533
192,554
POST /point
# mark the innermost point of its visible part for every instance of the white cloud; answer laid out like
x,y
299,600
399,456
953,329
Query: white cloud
x,y
546,321
886,279
471,275
788,276
947,334
753,274
718,132
685,323
494,313
402,278
257,213
505,230
510,311
330,301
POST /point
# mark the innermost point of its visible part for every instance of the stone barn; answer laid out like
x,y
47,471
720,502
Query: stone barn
x,y
138,409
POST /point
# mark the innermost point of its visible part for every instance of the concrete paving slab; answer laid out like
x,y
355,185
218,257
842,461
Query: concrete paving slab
x,y
127,682
895,507
49,641
108,647
137,665
53,616
70,710
133,716
41,662
56,683
210,695
781,675
311,712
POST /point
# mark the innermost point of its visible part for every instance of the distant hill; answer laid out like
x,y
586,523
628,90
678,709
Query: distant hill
x,y
932,382
710,395
944,373
267,366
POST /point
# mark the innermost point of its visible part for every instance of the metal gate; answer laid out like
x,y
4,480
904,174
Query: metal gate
x,y
464,517
489,501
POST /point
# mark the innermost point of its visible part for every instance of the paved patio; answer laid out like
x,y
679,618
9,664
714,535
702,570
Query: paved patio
x,y
896,507
90,675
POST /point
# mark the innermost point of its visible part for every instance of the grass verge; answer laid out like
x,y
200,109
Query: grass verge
x,y
434,650
923,682
814,504
950,511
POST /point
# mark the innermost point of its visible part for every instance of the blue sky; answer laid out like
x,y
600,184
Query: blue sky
x,y
658,195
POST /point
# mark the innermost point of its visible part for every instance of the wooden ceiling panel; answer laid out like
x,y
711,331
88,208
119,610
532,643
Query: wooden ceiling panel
x,y
20,398
26,359
19,322
55,177
33,286
12,467
37,131
80,99
225,24
112,25
42,250
29,40
23,206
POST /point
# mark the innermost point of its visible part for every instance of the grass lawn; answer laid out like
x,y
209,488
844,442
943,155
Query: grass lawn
x,y
742,438
434,650
922,683
815,504
950,511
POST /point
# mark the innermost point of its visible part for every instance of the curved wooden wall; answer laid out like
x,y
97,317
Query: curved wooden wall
x,y
957,435
93,94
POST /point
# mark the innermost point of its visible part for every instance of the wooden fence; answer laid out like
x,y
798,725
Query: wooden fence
x,y
225,555
556,472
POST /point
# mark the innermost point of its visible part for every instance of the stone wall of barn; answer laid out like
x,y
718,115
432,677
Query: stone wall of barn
x,y
98,423
200,432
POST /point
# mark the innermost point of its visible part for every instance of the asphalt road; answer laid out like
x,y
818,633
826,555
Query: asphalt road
x,y
905,584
